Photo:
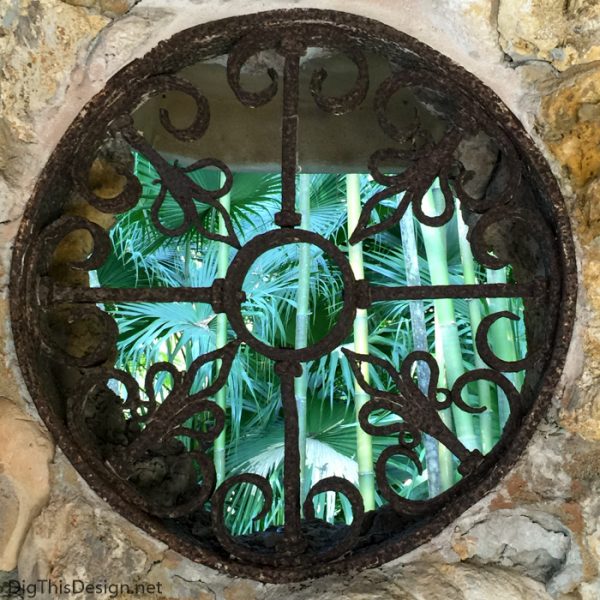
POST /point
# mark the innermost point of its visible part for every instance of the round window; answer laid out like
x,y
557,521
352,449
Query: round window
x,y
293,292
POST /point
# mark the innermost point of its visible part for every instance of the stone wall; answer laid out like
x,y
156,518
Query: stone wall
x,y
537,536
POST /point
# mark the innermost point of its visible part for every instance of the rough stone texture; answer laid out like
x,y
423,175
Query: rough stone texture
x,y
533,543
561,33
421,581
536,545
25,452
569,124
41,41
569,121
91,545
537,536
109,8
10,385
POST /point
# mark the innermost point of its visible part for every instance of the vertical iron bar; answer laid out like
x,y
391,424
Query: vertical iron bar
x,y
288,217
287,373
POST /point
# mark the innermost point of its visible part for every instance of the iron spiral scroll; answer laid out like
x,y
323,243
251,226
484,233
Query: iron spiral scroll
x,y
113,441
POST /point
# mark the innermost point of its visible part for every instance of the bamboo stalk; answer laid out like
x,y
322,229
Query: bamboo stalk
x,y
434,239
488,439
197,422
419,334
364,447
502,341
302,323
445,456
221,340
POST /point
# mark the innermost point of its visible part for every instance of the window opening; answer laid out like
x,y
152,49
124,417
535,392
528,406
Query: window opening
x,y
293,292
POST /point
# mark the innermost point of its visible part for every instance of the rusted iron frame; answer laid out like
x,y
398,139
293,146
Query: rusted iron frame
x,y
207,295
560,291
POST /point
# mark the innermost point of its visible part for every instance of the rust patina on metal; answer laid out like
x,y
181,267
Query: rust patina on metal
x,y
519,220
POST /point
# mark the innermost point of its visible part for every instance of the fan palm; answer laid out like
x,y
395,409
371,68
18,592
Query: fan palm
x,y
293,293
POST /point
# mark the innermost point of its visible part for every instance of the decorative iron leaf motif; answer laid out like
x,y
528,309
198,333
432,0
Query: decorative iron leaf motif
x,y
411,185
146,449
173,179
144,444
419,412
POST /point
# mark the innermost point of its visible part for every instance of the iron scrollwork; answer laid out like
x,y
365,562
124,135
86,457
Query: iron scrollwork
x,y
132,444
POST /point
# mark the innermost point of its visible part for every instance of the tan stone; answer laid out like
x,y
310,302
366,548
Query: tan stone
x,y
182,578
462,546
115,7
25,453
242,590
528,28
37,50
86,3
564,34
580,413
590,591
476,583
579,152
572,127
591,514
71,538
584,420
9,386
418,581
9,507
76,535
591,277
529,541
591,206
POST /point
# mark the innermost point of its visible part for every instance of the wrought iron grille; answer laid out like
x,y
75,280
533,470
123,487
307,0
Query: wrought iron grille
x,y
66,339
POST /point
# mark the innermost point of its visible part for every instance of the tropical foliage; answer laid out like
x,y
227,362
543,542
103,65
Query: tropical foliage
x,y
294,295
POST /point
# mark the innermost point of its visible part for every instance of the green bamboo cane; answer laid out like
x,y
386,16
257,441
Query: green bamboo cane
x,y
364,447
221,340
302,321
197,421
488,439
502,341
419,334
445,456
434,239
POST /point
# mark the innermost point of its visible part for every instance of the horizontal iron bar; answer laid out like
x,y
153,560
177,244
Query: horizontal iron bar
x,y
152,294
432,292
378,293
